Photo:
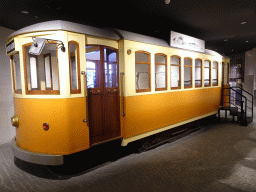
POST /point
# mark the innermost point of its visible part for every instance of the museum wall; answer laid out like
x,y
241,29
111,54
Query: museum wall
x,y
6,99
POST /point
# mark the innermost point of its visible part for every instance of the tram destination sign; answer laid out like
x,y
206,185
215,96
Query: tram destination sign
x,y
186,42
10,47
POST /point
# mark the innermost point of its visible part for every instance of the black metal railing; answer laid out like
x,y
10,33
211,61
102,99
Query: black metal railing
x,y
239,100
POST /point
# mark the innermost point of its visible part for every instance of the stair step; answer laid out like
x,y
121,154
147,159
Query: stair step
x,y
249,120
233,111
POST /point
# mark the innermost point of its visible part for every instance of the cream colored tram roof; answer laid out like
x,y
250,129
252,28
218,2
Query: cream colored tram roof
x,y
115,34
66,26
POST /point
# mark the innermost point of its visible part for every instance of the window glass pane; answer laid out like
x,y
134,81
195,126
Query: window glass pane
x,y
198,63
73,65
48,71
187,77
188,62
206,64
214,64
141,57
33,73
111,70
160,59
206,76
175,60
142,76
92,63
160,76
16,69
198,76
175,77
214,76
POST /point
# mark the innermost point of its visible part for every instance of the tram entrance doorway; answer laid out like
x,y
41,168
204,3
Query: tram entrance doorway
x,y
103,93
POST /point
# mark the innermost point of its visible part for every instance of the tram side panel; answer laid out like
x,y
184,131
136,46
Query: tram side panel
x,y
149,111
146,113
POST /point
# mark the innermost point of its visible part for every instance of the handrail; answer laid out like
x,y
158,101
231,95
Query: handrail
x,y
122,93
85,98
243,103
238,93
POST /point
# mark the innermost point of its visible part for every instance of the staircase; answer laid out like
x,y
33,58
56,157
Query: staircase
x,y
240,107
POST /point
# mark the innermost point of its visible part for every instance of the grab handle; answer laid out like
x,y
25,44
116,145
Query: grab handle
x,y
85,97
122,93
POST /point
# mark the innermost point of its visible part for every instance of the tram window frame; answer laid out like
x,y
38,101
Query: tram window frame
x,y
38,90
16,73
161,64
209,73
217,73
191,72
176,65
78,76
149,71
201,73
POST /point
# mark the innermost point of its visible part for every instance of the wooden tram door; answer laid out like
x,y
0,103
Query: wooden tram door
x,y
225,85
103,93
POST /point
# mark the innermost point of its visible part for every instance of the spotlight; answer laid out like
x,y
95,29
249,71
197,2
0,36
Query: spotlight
x,y
167,1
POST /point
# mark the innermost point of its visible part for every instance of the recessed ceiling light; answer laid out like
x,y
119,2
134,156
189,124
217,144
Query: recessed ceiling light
x,y
225,40
247,41
243,23
167,2
25,12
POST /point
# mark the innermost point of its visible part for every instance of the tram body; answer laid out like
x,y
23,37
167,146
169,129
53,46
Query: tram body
x,y
105,85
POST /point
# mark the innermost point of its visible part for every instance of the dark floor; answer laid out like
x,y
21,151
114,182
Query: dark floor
x,y
218,157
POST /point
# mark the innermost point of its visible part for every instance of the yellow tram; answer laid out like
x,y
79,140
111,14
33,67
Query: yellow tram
x,y
77,86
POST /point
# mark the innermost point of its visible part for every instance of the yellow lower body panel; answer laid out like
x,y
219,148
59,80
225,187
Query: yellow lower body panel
x,y
145,113
67,132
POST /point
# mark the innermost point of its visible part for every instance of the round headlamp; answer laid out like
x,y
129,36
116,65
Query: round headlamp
x,y
15,121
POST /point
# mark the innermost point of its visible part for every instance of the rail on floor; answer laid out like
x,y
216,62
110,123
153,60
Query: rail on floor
x,y
238,104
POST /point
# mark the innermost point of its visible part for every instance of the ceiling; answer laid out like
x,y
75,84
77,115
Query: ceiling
x,y
219,22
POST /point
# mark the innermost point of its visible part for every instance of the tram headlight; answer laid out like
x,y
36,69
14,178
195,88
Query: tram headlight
x,y
15,121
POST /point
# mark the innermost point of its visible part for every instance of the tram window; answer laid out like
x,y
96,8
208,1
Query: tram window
x,y
187,72
207,73
160,72
16,73
198,73
92,63
142,70
48,71
111,68
74,67
42,71
175,72
215,73
33,73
